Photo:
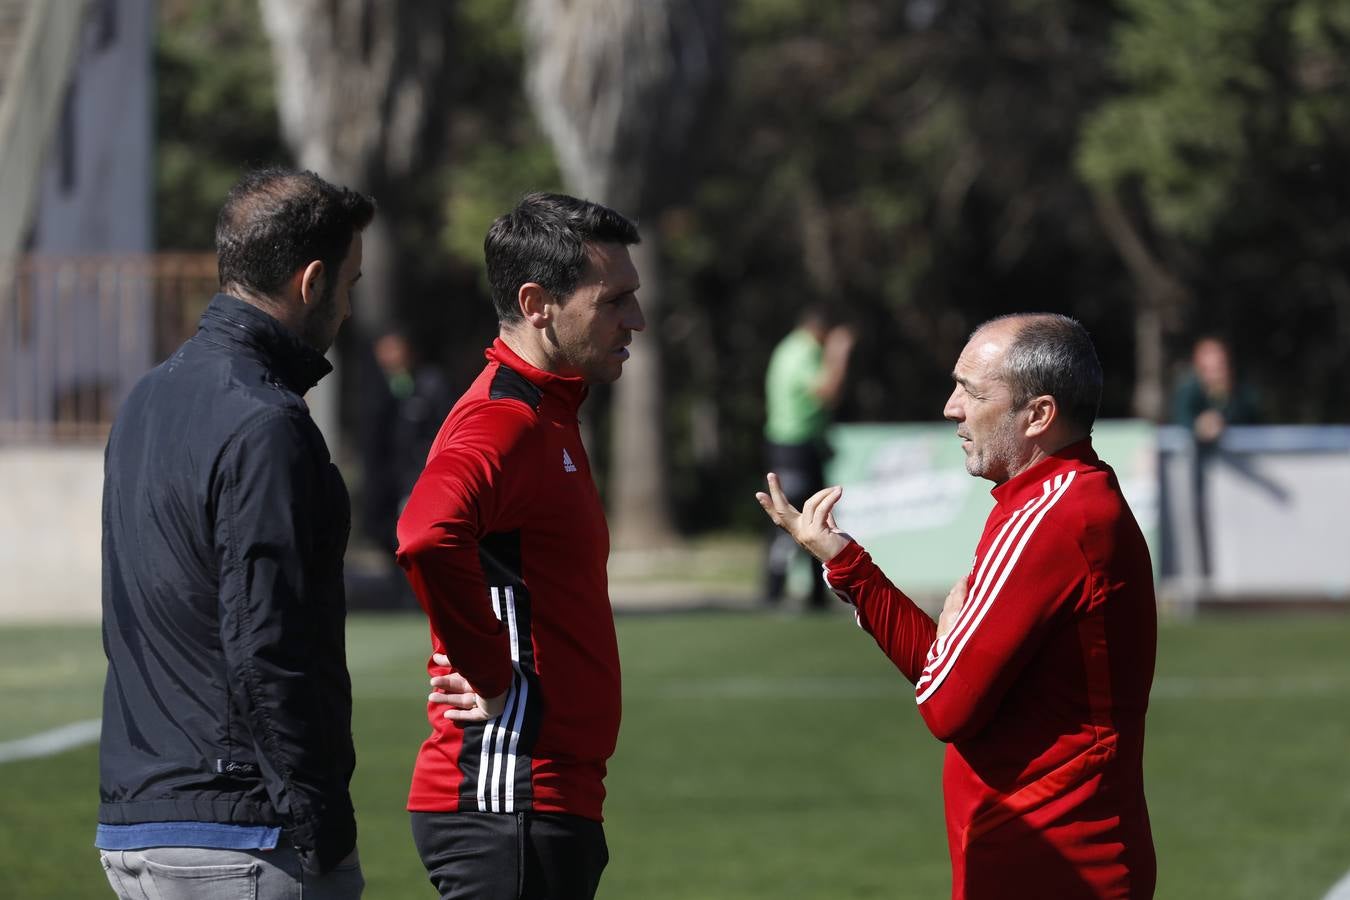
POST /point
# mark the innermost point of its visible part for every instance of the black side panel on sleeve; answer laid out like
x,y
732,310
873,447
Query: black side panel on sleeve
x,y
508,384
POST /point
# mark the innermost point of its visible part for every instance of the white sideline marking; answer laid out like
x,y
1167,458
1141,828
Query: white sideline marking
x,y
893,685
1340,890
1249,687
755,687
50,743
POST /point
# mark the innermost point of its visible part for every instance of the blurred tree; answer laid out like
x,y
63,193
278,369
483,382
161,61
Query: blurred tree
x,y
361,89
910,163
496,154
622,90
1151,168
215,111
1218,172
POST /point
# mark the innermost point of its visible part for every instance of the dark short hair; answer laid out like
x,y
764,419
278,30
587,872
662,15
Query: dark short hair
x,y
277,220
820,314
1053,354
543,240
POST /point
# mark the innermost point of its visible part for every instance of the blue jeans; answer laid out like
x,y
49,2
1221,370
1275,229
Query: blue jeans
x,y
196,873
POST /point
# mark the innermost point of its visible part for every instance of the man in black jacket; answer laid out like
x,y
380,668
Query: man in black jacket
x,y
226,749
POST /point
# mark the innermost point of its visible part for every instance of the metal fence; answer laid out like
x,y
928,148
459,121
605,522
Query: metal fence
x,y
76,332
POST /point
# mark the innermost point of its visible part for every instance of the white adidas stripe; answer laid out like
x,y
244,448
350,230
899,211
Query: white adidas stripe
x,y
996,550
518,720
501,735
994,556
998,565
993,560
998,572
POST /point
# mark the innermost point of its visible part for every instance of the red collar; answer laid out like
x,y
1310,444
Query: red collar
x,y
569,389
1026,485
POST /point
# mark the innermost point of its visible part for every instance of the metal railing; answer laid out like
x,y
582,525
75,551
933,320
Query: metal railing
x,y
76,332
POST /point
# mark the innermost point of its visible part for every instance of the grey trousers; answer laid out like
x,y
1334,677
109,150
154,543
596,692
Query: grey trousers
x,y
194,873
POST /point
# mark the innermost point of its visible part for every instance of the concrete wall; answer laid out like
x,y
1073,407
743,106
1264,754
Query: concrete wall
x,y
50,532
1259,517
1275,499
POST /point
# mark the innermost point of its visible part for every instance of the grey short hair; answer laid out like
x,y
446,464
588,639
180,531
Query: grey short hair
x,y
1053,354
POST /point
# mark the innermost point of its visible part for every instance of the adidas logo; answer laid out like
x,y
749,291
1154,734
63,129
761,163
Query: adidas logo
x,y
568,465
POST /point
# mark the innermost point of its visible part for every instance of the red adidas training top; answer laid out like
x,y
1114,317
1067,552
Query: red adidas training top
x,y
1040,687
505,544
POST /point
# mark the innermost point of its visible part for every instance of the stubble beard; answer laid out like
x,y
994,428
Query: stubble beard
x,y
996,458
319,330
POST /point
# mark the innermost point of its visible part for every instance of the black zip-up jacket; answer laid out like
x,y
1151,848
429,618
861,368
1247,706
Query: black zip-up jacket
x,y
224,527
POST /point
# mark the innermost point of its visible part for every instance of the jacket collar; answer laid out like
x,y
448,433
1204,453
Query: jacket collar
x,y
569,389
1026,485
233,323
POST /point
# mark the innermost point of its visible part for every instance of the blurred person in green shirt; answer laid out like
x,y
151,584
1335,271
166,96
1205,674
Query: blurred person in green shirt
x,y
802,385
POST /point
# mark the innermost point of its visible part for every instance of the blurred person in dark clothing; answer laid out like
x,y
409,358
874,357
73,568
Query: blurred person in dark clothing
x,y
226,751
1211,397
407,400
1207,400
802,386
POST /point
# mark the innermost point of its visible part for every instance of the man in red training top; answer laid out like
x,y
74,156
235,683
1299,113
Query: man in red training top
x,y
1037,672
505,544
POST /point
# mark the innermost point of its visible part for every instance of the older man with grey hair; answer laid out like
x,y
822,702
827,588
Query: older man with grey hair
x,y
1037,672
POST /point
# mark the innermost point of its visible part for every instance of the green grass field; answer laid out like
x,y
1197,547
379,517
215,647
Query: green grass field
x,y
776,757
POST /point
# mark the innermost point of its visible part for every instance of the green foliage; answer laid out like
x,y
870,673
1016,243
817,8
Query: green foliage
x,y
1229,126
785,756
922,166
215,116
1209,88
496,152
486,181
1181,131
491,29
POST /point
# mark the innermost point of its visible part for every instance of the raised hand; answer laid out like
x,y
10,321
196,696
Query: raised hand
x,y
813,527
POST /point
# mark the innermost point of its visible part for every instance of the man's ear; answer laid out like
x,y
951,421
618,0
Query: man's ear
x,y
1044,413
311,285
536,304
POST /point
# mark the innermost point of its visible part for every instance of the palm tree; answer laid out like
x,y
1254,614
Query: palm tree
x,y
622,89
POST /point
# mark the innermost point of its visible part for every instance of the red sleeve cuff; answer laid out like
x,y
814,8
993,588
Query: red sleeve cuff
x,y
847,565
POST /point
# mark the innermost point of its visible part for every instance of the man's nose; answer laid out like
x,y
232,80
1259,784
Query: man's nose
x,y
635,321
953,410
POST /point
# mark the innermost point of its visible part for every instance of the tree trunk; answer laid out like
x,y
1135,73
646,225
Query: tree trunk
x,y
639,509
358,84
621,88
1160,300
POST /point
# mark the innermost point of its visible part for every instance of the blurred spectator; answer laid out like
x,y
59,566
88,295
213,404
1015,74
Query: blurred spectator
x,y
406,402
1207,401
1211,397
802,385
